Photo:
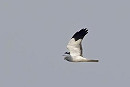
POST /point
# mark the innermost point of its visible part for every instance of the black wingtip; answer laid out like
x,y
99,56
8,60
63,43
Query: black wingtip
x,y
80,34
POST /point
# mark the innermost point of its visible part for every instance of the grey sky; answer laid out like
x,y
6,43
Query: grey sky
x,y
34,35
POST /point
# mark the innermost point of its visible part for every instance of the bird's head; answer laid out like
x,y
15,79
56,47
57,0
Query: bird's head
x,y
66,55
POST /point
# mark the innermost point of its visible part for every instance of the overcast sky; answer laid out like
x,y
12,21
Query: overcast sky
x,y
34,35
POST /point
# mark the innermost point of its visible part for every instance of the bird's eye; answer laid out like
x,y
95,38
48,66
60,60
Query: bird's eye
x,y
65,52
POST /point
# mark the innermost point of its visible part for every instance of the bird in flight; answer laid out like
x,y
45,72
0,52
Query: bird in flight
x,y
75,48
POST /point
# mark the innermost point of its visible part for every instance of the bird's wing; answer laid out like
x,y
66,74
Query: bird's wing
x,y
74,45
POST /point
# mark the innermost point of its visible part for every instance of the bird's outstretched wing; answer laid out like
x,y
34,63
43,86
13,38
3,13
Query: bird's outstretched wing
x,y
74,45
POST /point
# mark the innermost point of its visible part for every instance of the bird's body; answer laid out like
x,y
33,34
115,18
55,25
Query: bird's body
x,y
78,59
75,48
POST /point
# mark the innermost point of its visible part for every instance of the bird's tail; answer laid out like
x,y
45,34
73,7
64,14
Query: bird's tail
x,y
92,61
